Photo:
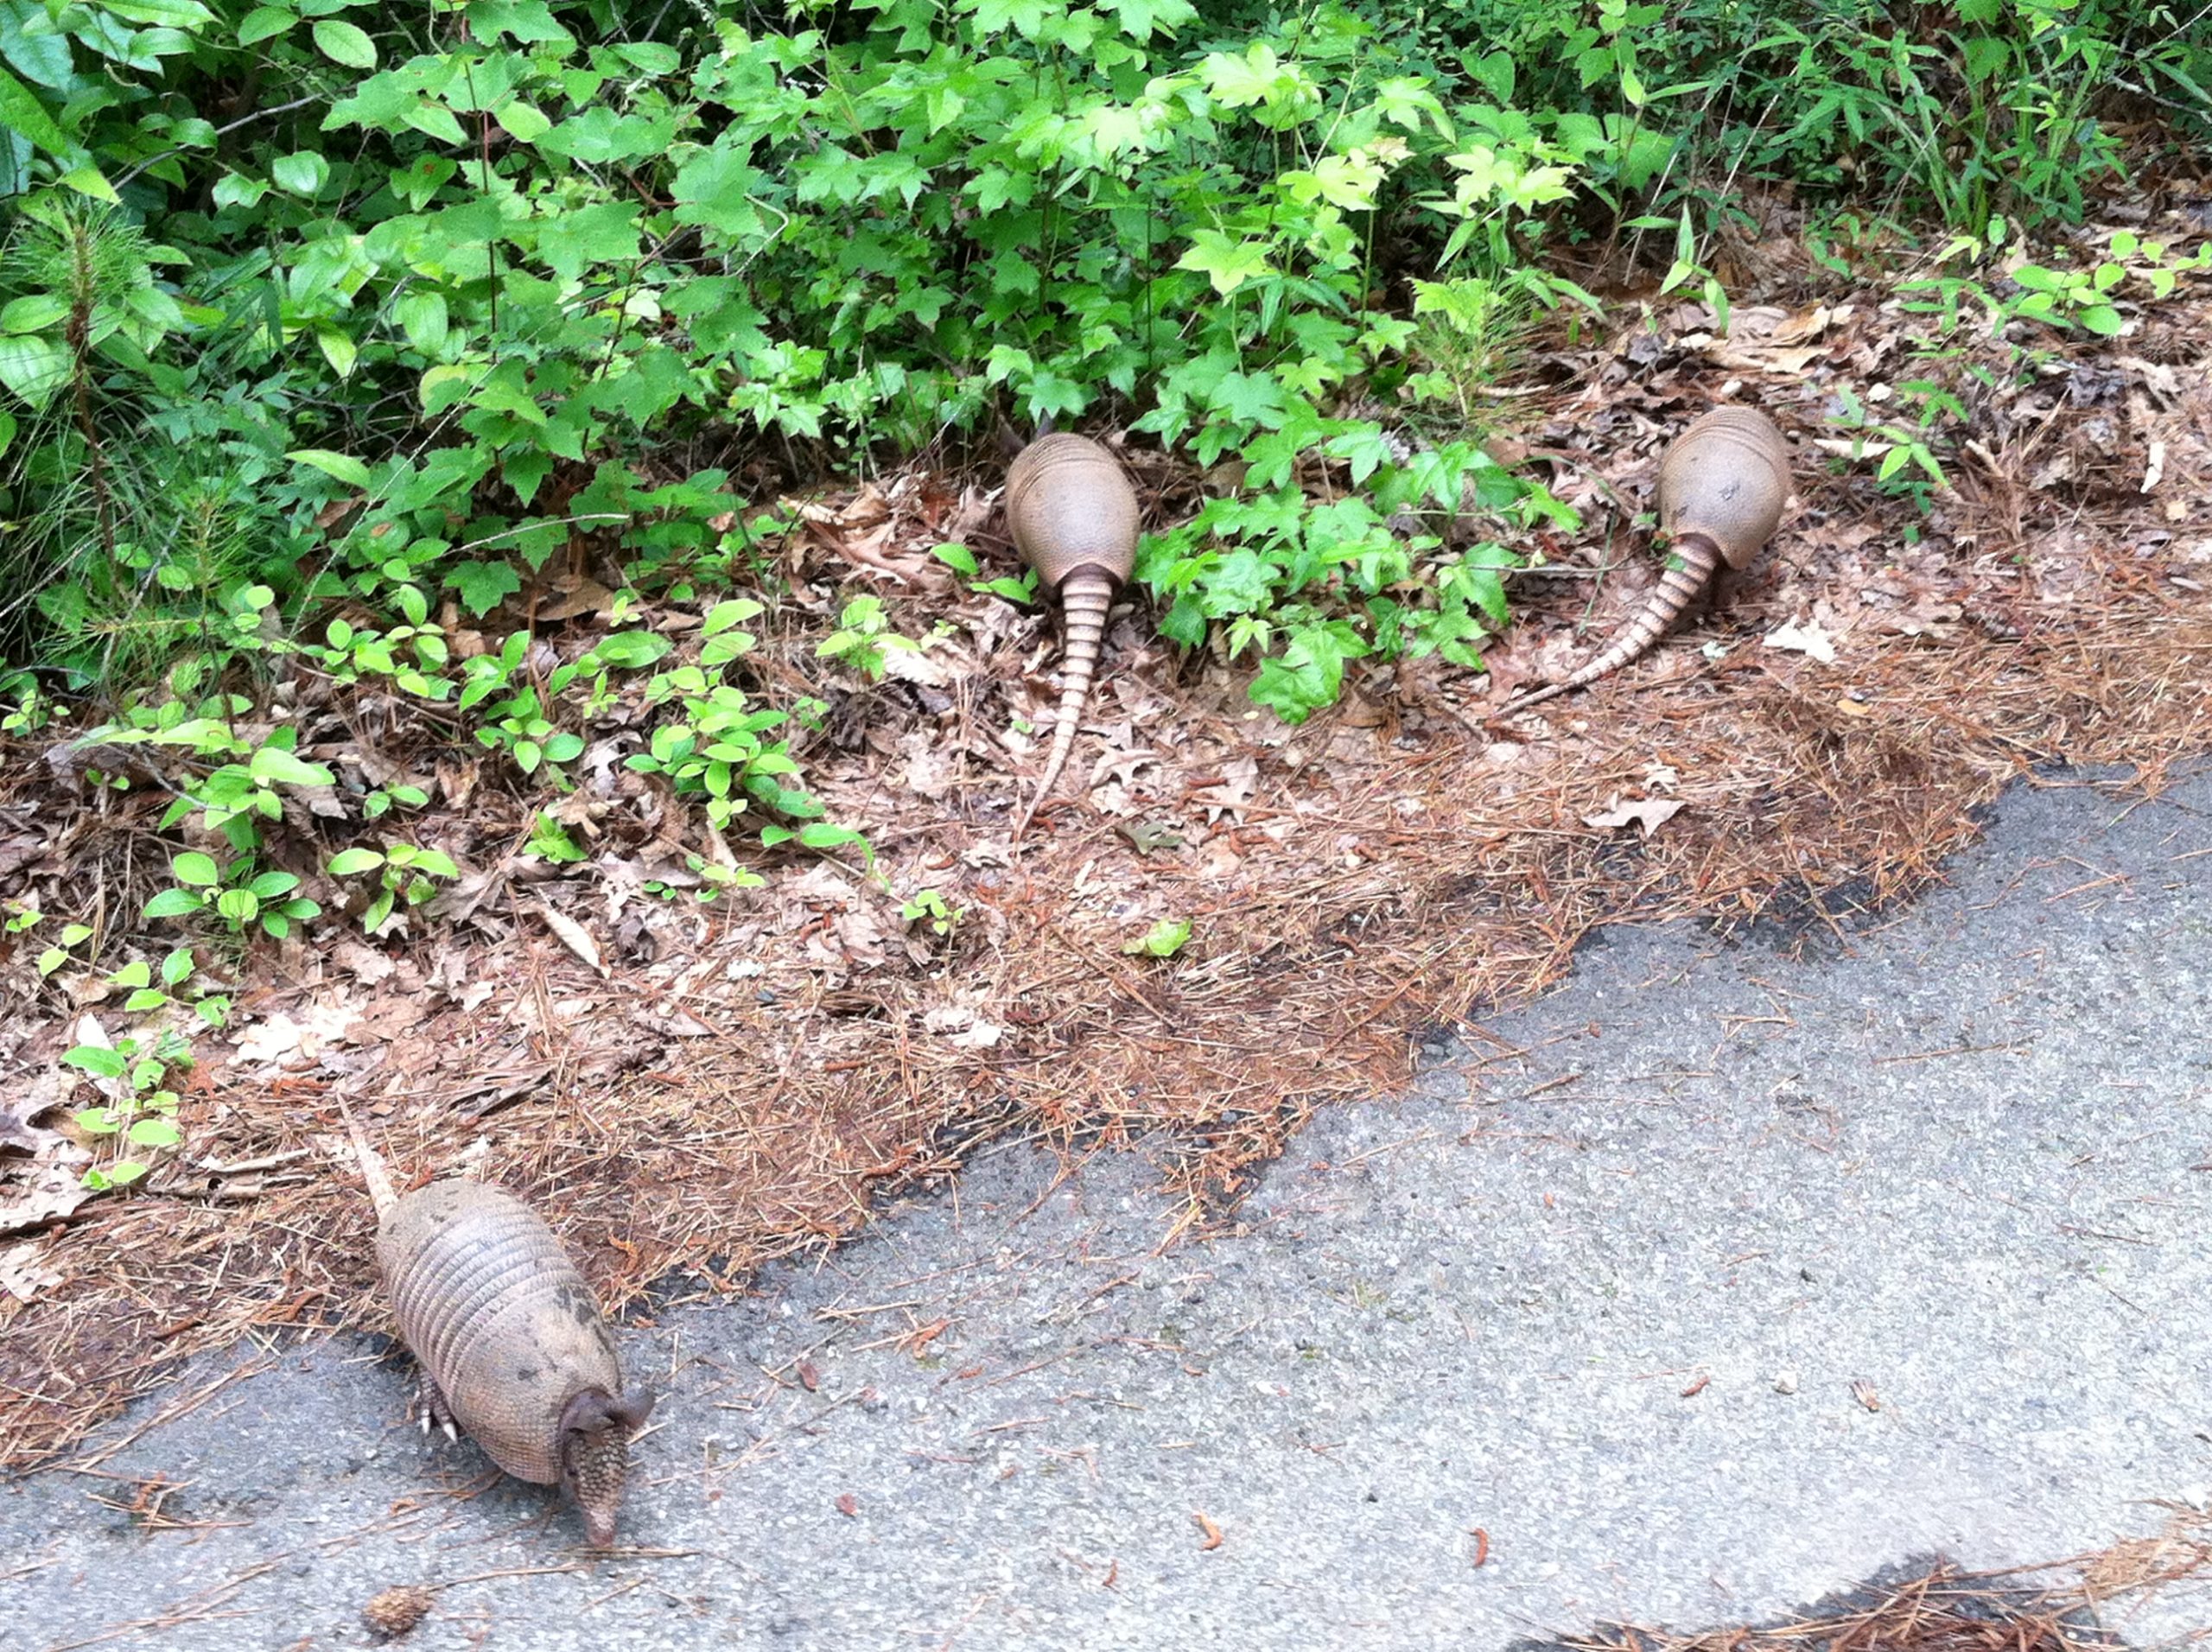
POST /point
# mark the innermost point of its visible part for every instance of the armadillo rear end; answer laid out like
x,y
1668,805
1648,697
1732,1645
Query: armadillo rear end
x,y
499,1317
1725,478
1069,506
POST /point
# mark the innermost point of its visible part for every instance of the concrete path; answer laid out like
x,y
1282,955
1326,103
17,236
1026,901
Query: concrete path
x,y
1742,1280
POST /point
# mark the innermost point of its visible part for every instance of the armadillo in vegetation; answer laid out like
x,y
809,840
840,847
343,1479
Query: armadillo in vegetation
x,y
510,1343
1722,486
1073,517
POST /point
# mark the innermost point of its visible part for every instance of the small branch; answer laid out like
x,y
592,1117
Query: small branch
x,y
242,120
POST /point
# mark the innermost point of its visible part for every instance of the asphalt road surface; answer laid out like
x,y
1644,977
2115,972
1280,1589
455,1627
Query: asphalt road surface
x,y
1745,1279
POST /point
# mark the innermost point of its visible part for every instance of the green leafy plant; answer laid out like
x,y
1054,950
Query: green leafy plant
x,y
549,841
1908,464
141,1111
236,894
1163,940
863,637
405,877
930,909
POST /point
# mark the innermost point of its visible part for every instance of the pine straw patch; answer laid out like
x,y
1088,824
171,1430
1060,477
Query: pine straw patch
x,y
1947,1610
719,1086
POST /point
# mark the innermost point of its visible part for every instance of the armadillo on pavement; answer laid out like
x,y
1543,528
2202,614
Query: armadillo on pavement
x,y
1073,517
510,1343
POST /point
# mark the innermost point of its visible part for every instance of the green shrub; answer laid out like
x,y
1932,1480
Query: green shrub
x,y
314,316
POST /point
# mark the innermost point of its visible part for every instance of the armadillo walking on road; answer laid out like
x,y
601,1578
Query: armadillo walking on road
x,y
510,1343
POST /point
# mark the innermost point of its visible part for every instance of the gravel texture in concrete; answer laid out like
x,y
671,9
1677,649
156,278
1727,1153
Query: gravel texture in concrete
x,y
1713,1283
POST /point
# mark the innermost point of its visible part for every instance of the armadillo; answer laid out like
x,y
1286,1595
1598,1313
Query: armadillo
x,y
1722,486
510,1343
1073,517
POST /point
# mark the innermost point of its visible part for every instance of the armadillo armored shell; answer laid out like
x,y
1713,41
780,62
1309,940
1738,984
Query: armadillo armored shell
x,y
498,1317
1069,506
1725,478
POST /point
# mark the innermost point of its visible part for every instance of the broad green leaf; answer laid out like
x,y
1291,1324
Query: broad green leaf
x,y
21,112
273,765
33,313
1225,262
1141,19
338,349
91,180
1163,940
302,173
341,466
196,869
524,123
484,586
44,57
342,42
423,317
632,650
161,14
1025,17
346,862
264,22
98,1060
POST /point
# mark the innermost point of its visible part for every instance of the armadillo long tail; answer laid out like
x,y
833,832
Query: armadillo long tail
x,y
372,1169
1085,596
1694,559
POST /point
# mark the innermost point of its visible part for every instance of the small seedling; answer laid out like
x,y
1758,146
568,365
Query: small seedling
x,y
1163,940
404,871
930,908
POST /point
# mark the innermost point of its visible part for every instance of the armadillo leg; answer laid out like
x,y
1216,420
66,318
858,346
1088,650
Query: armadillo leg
x,y
435,1406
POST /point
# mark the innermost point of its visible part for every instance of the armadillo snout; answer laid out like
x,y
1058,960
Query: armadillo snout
x,y
596,1431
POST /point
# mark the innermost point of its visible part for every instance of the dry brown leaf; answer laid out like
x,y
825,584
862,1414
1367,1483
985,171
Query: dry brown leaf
x,y
50,1186
280,1037
578,595
1648,813
1240,778
573,936
19,1115
364,963
23,1274
1808,639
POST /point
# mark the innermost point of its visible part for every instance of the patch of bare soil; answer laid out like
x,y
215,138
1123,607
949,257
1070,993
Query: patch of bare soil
x,y
690,1088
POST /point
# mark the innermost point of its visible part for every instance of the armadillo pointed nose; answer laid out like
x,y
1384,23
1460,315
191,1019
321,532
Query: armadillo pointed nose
x,y
598,1529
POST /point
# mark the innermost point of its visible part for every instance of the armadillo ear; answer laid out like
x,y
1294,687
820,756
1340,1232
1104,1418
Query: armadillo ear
x,y
632,1408
590,1413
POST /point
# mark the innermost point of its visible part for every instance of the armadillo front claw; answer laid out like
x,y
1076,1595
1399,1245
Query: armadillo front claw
x,y
435,1408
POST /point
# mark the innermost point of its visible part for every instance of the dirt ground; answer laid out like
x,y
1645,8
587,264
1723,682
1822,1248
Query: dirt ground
x,y
691,1089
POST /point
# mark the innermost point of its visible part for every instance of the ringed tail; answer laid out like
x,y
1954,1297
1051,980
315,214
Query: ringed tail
x,y
381,1193
1085,597
1693,556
